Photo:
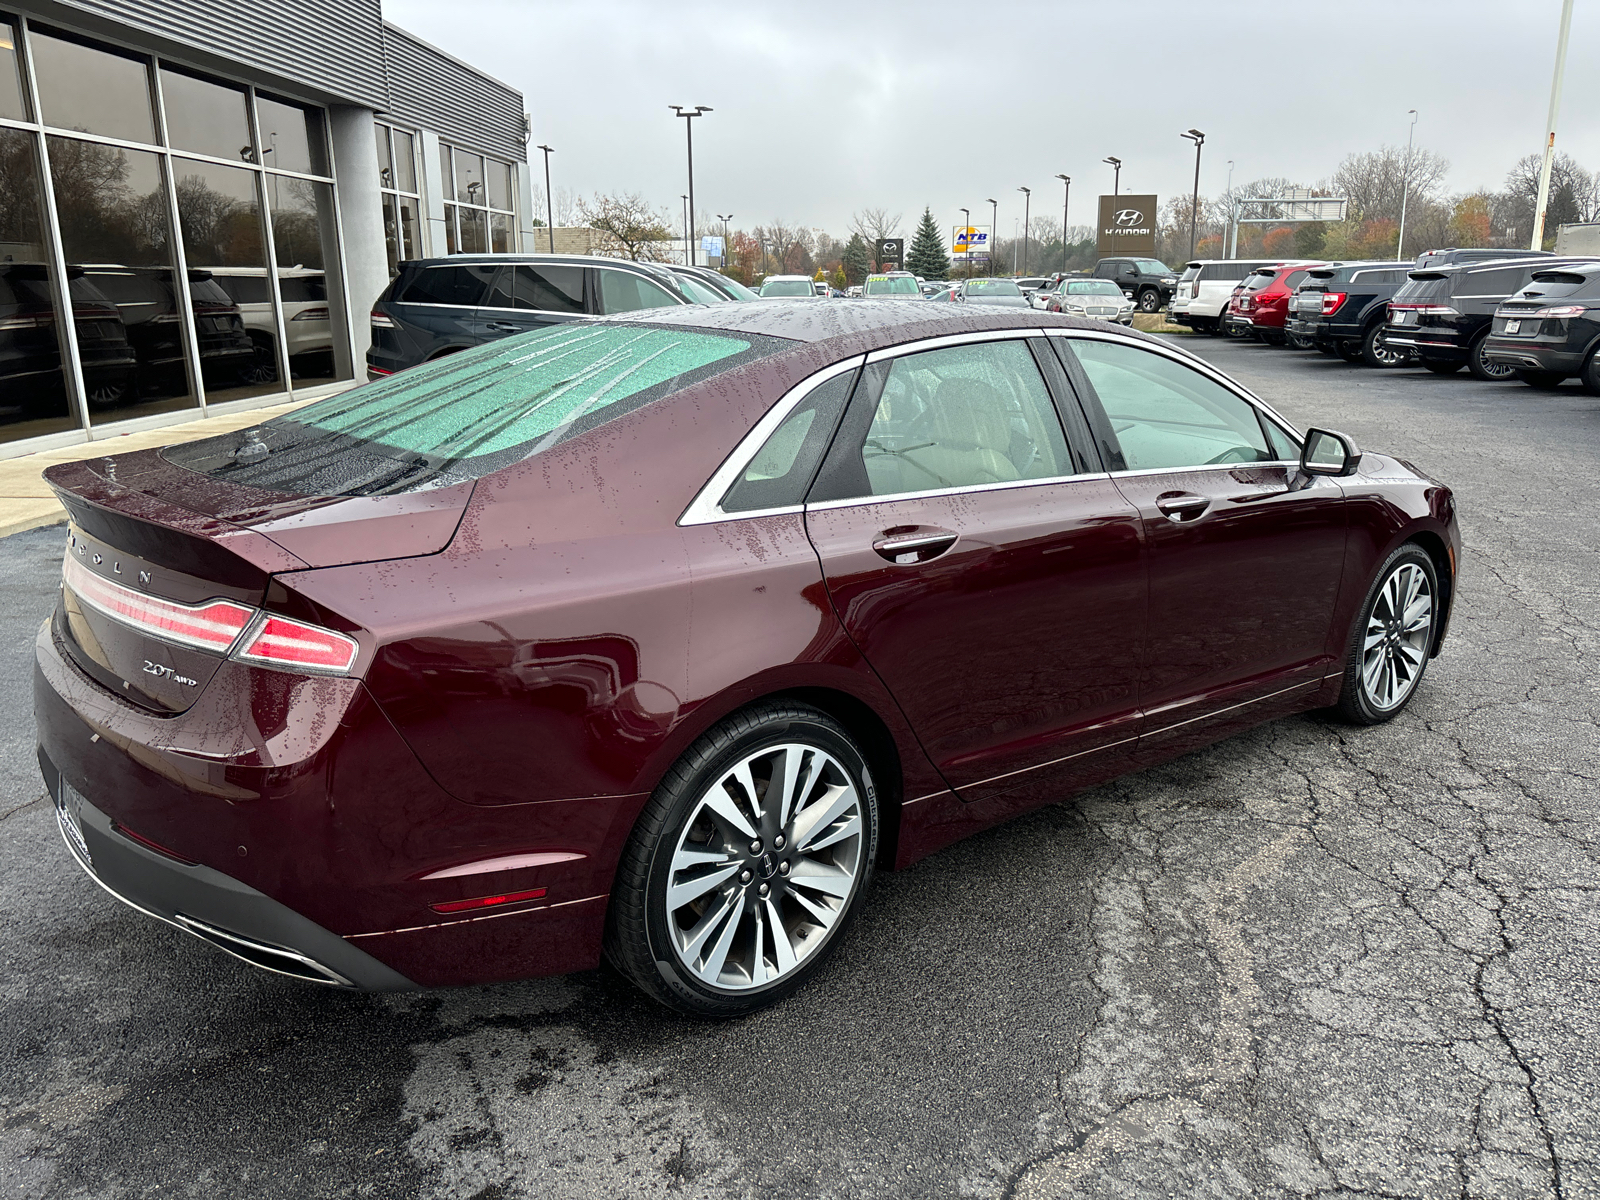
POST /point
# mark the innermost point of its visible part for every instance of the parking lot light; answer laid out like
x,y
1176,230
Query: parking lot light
x,y
1116,179
1199,139
549,200
688,115
1065,201
1027,196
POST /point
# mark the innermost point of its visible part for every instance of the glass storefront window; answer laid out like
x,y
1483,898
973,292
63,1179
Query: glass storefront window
x,y
474,231
208,118
499,181
112,207
481,221
11,102
291,137
451,242
92,90
469,179
225,247
303,238
33,385
405,162
397,180
501,240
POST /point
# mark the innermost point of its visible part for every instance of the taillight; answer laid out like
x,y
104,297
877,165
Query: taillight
x,y
1331,302
214,625
379,321
1561,310
455,906
317,314
35,322
275,641
1427,310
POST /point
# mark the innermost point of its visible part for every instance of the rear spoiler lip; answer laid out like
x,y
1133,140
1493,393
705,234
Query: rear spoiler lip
x,y
167,533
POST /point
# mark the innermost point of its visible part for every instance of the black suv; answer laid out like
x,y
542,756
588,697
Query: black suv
x,y
437,306
1444,313
1550,330
1342,309
1149,281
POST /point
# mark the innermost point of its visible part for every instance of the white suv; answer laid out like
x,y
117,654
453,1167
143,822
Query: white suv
x,y
1204,289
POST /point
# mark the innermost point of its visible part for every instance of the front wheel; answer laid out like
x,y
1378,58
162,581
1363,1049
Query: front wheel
x,y
1149,300
747,863
1392,639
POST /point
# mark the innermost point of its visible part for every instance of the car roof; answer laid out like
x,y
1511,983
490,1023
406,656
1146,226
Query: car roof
x,y
853,328
591,260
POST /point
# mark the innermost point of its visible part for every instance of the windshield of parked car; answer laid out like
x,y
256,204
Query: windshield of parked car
x,y
892,285
786,287
467,414
993,287
1092,287
1150,266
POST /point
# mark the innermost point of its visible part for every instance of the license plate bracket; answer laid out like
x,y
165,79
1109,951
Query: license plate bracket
x,y
1514,326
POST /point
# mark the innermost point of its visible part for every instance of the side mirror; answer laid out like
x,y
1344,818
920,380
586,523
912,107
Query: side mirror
x,y
1329,453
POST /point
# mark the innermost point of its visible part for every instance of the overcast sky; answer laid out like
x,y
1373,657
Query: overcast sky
x,y
822,108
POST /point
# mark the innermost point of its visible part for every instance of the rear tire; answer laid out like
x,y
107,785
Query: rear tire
x,y
1392,639
1543,380
1484,370
1441,368
1590,375
1376,353
777,881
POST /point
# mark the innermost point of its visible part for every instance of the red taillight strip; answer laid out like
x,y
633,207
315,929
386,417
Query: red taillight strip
x,y
214,625
275,641
455,906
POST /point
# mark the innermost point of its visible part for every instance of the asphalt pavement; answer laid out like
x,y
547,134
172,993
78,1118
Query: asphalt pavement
x,y
1310,961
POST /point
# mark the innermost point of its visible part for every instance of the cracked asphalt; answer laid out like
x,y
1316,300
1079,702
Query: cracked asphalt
x,y
1309,961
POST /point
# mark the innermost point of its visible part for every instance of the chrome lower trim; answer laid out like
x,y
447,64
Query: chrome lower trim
x,y
280,960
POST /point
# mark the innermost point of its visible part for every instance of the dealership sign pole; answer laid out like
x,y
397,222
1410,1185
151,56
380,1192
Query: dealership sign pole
x,y
1550,137
1066,199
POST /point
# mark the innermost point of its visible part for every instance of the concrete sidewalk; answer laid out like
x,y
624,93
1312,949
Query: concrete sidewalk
x,y
26,501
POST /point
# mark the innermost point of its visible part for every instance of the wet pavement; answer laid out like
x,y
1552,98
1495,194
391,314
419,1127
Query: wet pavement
x,y
1310,961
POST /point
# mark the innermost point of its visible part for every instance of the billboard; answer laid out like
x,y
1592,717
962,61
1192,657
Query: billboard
x,y
889,253
711,246
971,241
1127,226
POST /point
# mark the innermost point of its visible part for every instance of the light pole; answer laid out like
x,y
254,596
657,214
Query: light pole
x,y
1199,139
1227,236
549,200
725,218
1065,201
1116,179
1405,188
966,236
685,200
688,115
1550,137
1027,197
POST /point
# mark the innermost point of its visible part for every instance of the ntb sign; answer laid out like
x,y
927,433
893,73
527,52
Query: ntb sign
x,y
970,241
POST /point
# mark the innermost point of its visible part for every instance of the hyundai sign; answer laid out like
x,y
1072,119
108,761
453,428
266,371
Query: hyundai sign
x,y
1127,227
970,241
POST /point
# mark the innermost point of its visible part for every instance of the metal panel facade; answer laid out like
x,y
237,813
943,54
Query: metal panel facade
x,y
430,89
332,46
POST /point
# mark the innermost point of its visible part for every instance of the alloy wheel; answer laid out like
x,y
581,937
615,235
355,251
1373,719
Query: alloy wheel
x,y
1149,301
1483,368
765,867
1394,648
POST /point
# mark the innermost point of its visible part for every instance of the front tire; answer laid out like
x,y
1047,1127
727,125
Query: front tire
x,y
1392,639
747,864
1149,300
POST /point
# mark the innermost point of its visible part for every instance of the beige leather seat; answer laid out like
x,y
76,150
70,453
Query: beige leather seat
x,y
970,436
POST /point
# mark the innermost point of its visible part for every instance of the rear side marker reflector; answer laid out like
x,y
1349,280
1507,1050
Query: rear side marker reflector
x,y
150,844
455,906
214,625
221,626
279,642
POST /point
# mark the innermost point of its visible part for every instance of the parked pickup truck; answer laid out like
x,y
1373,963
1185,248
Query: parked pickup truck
x,y
1148,282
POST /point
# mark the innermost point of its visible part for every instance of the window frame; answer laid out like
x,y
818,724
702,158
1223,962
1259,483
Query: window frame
x,y
452,206
1094,410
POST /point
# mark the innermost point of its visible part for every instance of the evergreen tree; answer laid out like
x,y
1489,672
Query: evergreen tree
x,y
927,257
857,262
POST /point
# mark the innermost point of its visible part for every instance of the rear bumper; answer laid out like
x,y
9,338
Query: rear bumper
x,y
1427,344
208,904
1531,356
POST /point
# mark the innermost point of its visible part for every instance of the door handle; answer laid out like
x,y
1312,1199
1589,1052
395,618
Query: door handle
x,y
919,547
505,327
1182,506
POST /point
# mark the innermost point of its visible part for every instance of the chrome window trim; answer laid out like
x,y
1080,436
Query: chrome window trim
x,y
706,507
1276,462
1194,362
954,339
1005,485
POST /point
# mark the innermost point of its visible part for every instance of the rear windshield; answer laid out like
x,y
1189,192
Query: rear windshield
x,y
471,413
1255,282
1228,270
1190,272
1432,286
787,287
896,285
1559,284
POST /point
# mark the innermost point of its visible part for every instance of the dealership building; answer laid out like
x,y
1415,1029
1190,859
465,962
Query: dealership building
x,y
278,157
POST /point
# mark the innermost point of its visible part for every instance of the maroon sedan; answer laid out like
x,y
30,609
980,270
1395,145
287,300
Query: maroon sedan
x,y
653,637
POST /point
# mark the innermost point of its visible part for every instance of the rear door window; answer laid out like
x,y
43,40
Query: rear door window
x,y
1492,284
548,288
623,291
462,285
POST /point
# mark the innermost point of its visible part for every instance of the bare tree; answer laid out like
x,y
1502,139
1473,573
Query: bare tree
x,y
1374,182
1574,196
627,227
781,239
875,223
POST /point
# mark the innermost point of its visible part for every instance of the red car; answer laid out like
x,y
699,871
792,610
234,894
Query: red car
x,y
654,637
1262,301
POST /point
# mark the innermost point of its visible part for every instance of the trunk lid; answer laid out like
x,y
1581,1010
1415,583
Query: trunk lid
x,y
164,565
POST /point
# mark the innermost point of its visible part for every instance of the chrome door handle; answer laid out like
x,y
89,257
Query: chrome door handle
x,y
905,548
505,327
1183,506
